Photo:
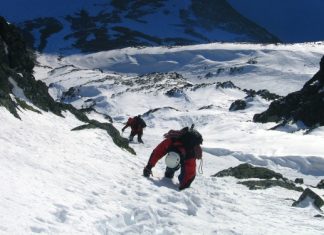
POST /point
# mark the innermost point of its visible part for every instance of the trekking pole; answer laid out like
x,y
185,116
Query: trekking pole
x,y
200,168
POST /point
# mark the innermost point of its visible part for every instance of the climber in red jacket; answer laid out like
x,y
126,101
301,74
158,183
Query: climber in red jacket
x,y
186,143
137,125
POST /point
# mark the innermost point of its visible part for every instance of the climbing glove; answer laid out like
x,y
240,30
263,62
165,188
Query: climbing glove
x,y
147,170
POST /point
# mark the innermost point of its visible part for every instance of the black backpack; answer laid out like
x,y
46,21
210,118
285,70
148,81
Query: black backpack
x,y
140,121
188,136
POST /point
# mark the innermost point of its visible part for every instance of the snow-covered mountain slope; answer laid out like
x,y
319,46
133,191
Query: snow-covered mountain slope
x,y
280,69
90,26
253,66
290,20
59,181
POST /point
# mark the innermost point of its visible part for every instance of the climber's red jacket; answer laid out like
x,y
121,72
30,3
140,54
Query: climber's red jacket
x,y
135,125
188,159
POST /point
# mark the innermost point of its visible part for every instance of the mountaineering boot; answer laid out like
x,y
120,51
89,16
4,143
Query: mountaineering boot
x,y
130,138
169,172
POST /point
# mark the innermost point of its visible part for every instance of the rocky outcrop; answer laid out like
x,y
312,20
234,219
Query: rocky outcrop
x,y
320,184
111,130
308,198
226,85
268,178
245,171
242,104
265,94
206,107
46,27
264,184
238,105
299,180
16,68
319,216
175,93
305,105
158,109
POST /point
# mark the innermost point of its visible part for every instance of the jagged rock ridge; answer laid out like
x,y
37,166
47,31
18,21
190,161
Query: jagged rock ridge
x,y
305,105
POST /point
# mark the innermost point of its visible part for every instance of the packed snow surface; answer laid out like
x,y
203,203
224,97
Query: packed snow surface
x,y
58,181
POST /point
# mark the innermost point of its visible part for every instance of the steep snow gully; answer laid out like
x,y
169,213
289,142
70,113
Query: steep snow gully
x,y
58,181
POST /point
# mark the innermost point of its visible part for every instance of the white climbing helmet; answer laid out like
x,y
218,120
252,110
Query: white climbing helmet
x,y
172,160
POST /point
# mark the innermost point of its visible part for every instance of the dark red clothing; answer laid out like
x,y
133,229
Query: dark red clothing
x,y
188,159
134,125
137,124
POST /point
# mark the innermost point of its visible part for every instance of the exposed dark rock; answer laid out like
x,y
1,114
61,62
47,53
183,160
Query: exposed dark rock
x,y
209,75
70,94
320,184
175,92
17,62
264,184
92,109
245,171
201,85
309,197
227,17
206,107
242,104
112,131
238,105
25,106
319,216
226,85
305,105
220,70
157,109
46,27
235,70
299,180
16,56
269,177
265,94
252,61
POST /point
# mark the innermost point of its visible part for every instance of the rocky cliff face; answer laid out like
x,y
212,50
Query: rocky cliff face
x,y
16,67
124,23
306,105
20,90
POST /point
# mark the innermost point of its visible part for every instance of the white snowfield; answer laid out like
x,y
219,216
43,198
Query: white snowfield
x,y
58,181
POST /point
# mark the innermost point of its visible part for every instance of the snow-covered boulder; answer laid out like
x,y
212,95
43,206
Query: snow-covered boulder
x,y
320,184
308,198
299,180
238,105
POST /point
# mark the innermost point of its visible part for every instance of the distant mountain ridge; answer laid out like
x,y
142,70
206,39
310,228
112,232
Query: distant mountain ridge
x,y
113,24
292,21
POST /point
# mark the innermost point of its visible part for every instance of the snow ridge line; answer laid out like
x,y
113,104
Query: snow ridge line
x,y
309,165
